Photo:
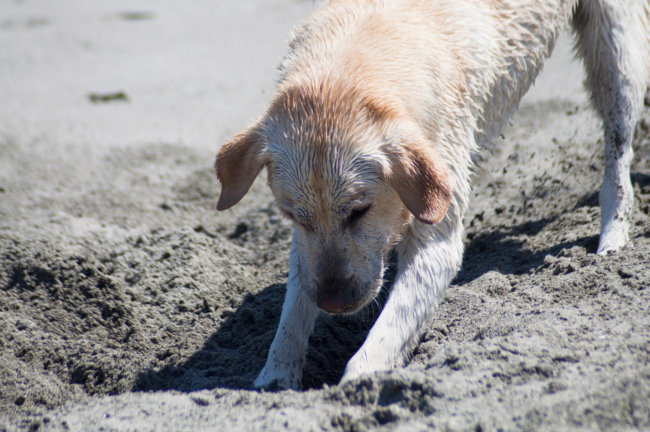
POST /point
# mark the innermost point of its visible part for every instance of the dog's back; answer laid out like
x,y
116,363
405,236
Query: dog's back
x,y
478,58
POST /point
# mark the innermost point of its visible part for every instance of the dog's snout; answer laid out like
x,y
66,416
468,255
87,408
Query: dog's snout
x,y
336,295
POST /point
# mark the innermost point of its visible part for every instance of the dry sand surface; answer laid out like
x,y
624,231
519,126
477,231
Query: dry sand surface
x,y
128,303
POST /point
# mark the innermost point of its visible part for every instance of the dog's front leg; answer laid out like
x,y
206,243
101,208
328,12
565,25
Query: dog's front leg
x,y
429,257
283,368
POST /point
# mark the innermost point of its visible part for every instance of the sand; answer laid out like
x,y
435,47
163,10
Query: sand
x,y
129,303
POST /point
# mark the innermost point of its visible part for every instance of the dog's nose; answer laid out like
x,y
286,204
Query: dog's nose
x,y
336,295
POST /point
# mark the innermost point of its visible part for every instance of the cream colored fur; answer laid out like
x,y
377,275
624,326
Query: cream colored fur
x,y
369,140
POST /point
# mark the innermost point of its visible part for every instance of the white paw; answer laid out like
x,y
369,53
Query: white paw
x,y
279,376
350,375
613,236
359,366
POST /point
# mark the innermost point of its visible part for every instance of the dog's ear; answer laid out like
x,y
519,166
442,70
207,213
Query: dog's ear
x,y
238,163
421,179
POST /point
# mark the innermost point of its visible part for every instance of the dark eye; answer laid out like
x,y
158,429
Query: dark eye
x,y
294,219
289,215
356,214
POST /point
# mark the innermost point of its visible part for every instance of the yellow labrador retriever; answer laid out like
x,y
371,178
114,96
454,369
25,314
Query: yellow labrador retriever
x,y
368,146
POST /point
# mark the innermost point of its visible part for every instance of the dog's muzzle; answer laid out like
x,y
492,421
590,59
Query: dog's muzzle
x,y
338,295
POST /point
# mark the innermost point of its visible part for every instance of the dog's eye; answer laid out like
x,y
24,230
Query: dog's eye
x,y
294,219
356,214
289,215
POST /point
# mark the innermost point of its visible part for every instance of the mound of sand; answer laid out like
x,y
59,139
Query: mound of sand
x,y
129,303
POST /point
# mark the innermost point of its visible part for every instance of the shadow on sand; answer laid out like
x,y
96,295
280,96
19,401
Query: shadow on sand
x,y
236,352
502,250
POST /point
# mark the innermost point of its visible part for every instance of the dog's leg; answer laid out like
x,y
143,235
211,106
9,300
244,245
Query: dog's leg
x,y
283,368
428,259
613,41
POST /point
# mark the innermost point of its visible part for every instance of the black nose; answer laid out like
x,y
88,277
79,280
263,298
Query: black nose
x,y
336,295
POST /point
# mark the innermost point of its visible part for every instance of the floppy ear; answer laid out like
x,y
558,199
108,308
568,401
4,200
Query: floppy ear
x,y
420,177
238,163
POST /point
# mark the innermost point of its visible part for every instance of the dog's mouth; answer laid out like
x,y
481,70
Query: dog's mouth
x,y
344,297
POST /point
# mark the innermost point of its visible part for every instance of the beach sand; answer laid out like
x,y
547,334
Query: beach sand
x,y
129,303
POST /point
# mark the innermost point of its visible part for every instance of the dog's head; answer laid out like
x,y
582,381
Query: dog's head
x,y
350,173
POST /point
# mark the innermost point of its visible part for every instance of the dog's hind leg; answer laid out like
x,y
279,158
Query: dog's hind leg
x,y
612,39
286,358
428,259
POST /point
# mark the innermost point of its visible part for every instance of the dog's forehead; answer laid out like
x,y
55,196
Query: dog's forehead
x,y
310,175
323,144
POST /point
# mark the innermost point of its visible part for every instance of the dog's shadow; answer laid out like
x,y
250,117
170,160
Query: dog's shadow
x,y
236,352
502,248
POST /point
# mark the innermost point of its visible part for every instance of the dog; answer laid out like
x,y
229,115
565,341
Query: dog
x,y
369,140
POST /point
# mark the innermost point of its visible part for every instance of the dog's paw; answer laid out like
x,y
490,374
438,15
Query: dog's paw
x,y
613,236
359,366
349,375
278,378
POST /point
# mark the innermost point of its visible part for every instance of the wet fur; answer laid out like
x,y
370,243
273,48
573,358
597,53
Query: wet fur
x,y
369,140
